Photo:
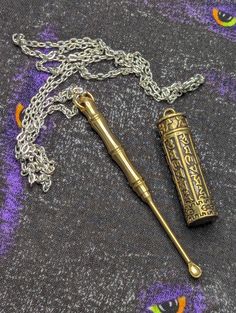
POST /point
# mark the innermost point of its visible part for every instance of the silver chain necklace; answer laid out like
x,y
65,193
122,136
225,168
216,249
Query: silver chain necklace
x,y
34,161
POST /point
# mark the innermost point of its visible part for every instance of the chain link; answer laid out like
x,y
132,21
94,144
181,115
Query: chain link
x,y
72,56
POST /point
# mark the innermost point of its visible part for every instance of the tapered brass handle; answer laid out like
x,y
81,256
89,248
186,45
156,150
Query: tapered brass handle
x,y
87,106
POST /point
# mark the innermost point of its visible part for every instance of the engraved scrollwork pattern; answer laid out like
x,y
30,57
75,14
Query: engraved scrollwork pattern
x,y
185,167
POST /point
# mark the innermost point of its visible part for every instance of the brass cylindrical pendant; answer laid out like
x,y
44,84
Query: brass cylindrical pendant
x,y
86,103
186,168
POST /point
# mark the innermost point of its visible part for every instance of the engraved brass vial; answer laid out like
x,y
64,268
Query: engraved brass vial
x,y
186,168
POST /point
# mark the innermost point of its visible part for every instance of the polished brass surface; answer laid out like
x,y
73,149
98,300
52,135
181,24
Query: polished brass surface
x,y
186,169
86,104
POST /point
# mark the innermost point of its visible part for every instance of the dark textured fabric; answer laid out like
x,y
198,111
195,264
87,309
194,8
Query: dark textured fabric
x,y
89,244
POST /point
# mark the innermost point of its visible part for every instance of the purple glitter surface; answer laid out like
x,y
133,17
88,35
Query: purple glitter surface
x,y
26,83
223,83
188,12
159,293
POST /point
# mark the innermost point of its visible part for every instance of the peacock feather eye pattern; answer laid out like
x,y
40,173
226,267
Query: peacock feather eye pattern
x,y
223,19
172,298
218,17
176,305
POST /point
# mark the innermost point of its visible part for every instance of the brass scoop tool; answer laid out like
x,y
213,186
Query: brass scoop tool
x,y
86,103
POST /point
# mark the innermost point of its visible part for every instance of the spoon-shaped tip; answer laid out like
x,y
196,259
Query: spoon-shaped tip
x,y
194,270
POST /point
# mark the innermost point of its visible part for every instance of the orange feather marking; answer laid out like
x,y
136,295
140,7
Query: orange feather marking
x,y
182,304
19,108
